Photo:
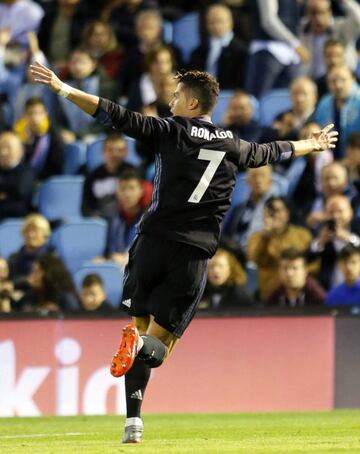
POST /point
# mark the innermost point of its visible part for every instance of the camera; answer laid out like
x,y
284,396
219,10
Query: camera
x,y
331,225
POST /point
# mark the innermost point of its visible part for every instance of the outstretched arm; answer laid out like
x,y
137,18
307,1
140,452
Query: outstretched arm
x,y
256,155
319,141
42,74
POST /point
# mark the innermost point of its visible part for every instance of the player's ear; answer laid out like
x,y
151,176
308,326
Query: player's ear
x,y
193,104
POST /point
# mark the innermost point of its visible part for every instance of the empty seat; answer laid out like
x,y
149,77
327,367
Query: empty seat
x,y
75,157
10,236
186,34
79,241
110,273
273,103
60,197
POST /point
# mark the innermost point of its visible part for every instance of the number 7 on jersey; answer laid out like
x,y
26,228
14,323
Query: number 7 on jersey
x,y
214,157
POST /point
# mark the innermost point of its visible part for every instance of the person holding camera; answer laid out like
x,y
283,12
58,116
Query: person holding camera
x,y
336,232
265,246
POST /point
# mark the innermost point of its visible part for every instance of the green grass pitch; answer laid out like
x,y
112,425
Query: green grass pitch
x,y
333,432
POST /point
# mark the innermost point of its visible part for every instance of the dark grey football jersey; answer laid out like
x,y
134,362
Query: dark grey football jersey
x,y
196,167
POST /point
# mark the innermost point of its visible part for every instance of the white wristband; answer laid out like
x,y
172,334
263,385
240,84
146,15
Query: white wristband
x,y
64,91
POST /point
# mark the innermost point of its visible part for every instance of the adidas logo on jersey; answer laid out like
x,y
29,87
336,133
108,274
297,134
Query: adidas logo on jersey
x,y
126,303
137,395
203,133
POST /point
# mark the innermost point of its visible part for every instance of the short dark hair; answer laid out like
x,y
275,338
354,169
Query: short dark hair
x,y
348,251
332,43
292,253
276,198
130,174
353,140
114,136
203,85
92,279
34,101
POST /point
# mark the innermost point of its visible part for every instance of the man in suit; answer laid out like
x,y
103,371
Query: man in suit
x,y
222,55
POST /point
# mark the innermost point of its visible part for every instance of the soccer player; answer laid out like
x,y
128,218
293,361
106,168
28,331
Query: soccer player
x,y
196,167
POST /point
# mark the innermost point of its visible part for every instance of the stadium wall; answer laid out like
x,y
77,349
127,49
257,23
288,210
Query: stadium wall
x,y
60,367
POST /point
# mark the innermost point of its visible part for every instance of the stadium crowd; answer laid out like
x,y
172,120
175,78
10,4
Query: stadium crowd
x,y
285,68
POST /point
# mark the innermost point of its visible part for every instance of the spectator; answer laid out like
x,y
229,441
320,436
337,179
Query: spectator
x,y
352,159
341,106
334,181
6,288
44,148
304,176
148,26
287,125
27,88
276,51
51,287
334,56
100,40
164,92
334,234
60,30
36,233
265,247
296,289
20,17
100,185
144,91
239,117
347,293
93,295
16,178
225,284
247,217
223,55
123,17
320,25
85,74
282,128
303,93
16,82
122,226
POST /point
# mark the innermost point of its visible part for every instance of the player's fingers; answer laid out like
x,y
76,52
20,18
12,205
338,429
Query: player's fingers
x,y
328,127
333,133
40,65
36,70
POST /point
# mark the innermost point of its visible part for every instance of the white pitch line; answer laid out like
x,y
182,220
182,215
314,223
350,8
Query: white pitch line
x,y
66,434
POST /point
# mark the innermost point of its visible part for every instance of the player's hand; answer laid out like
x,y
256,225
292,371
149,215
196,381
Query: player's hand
x,y
44,75
325,138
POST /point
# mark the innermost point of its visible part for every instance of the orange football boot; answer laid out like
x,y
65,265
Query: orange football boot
x,y
127,351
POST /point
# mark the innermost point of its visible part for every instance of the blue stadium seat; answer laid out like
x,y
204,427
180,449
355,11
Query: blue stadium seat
x,y
10,236
252,283
222,104
79,241
241,192
75,157
273,103
60,197
186,34
110,273
95,155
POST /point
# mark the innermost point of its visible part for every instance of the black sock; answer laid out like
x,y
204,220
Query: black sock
x,y
153,351
136,381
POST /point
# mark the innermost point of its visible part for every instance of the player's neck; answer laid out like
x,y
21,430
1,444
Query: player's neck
x,y
202,117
